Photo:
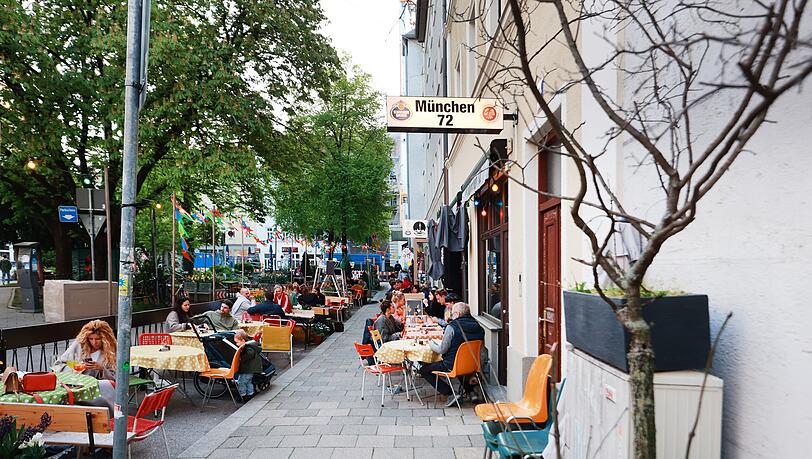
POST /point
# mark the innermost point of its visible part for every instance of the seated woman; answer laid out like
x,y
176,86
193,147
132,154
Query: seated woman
x,y
178,317
95,349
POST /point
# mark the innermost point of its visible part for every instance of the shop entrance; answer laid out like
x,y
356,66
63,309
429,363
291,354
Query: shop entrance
x,y
549,214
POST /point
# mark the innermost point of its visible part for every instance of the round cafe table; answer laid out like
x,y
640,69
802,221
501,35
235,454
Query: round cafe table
x,y
181,358
84,388
397,351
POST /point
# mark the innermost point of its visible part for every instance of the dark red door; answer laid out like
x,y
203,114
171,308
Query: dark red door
x,y
550,279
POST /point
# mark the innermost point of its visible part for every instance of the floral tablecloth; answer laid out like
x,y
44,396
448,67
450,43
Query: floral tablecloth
x,y
400,350
84,387
181,358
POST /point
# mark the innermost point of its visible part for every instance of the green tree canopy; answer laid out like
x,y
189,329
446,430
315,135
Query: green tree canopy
x,y
340,191
220,73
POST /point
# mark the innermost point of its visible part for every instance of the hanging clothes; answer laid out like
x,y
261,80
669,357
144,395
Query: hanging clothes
x,y
435,264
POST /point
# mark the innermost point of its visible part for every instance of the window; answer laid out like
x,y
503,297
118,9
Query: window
x,y
493,238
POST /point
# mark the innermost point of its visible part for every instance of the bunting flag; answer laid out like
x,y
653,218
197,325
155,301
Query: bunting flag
x,y
187,256
245,226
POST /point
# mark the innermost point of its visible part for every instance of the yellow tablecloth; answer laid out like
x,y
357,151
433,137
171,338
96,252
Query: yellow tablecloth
x,y
84,388
182,358
400,350
188,338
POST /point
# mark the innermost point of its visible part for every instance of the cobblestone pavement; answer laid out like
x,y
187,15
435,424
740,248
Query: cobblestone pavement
x,y
314,410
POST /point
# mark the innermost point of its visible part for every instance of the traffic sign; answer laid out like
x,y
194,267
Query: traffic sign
x,y
68,214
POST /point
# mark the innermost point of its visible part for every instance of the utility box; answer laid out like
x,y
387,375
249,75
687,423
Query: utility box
x,y
596,412
28,267
67,300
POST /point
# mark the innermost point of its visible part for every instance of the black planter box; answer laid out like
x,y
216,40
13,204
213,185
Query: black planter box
x,y
680,331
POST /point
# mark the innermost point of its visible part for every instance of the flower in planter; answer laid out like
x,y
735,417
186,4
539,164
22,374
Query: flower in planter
x,y
25,442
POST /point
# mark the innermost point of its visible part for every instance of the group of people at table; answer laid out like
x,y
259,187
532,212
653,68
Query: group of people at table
x,y
442,309
93,352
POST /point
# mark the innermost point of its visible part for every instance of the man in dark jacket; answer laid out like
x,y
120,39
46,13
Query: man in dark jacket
x,y
460,329
268,307
250,363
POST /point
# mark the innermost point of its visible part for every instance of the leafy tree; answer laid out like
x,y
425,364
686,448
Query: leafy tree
x,y
220,72
339,190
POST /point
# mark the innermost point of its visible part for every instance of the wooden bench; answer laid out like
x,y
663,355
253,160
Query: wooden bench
x,y
70,425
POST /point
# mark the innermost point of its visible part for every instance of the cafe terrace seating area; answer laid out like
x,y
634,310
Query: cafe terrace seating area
x,y
316,410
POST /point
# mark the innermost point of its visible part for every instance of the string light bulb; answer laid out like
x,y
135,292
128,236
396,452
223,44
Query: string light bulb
x,y
484,213
158,205
31,164
495,187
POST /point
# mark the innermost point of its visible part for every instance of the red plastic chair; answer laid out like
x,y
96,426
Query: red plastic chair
x,y
142,426
145,339
378,369
246,317
256,317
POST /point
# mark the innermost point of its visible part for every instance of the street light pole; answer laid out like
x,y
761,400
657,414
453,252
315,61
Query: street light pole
x,y
132,85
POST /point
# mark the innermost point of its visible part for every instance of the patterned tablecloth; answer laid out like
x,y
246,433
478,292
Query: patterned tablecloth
x,y
252,328
84,387
423,333
181,358
188,338
400,350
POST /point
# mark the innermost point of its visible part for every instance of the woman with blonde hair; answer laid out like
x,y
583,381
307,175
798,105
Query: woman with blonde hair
x,y
93,353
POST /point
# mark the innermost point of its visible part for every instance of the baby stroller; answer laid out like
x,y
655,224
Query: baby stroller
x,y
220,350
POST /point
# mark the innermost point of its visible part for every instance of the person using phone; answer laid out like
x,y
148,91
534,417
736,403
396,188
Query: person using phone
x,y
178,318
95,349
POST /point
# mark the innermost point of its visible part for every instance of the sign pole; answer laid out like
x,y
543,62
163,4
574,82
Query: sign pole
x,y
109,242
242,254
132,87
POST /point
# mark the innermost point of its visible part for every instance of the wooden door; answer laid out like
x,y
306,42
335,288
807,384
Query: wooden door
x,y
550,278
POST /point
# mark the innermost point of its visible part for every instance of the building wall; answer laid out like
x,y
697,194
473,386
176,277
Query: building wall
x,y
749,251
416,154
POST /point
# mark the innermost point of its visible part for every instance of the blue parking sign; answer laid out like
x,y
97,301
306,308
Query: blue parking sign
x,y
68,214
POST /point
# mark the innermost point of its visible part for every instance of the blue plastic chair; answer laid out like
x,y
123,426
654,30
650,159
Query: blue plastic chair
x,y
519,442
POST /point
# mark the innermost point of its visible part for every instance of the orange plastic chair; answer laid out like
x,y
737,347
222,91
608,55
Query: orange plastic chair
x,y
466,362
141,425
378,369
377,339
226,374
145,339
533,406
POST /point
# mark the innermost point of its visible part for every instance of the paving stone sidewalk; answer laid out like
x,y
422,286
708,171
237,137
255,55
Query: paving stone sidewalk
x,y
314,410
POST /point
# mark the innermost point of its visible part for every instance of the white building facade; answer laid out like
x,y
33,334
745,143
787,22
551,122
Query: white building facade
x,y
746,250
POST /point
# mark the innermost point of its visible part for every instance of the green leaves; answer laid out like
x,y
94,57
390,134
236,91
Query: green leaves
x,y
339,186
220,73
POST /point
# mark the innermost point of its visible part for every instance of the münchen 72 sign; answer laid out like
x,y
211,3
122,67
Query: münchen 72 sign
x,y
443,114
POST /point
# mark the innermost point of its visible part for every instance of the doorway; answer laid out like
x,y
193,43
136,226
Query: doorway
x,y
549,214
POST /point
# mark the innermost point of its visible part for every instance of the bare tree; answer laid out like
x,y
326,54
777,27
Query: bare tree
x,y
676,60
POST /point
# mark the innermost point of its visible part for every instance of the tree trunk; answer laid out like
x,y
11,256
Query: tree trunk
x,y
641,373
63,246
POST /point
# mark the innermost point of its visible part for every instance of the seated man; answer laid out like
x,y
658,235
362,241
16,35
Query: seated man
x,y
222,318
386,323
268,307
461,328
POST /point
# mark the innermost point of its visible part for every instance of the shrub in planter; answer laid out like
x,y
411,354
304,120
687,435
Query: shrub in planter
x,y
680,331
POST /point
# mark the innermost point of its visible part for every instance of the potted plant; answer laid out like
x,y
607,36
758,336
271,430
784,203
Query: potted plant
x,y
25,442
680,330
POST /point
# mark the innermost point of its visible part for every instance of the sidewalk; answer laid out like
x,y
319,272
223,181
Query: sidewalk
x,y
12,318
314,410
